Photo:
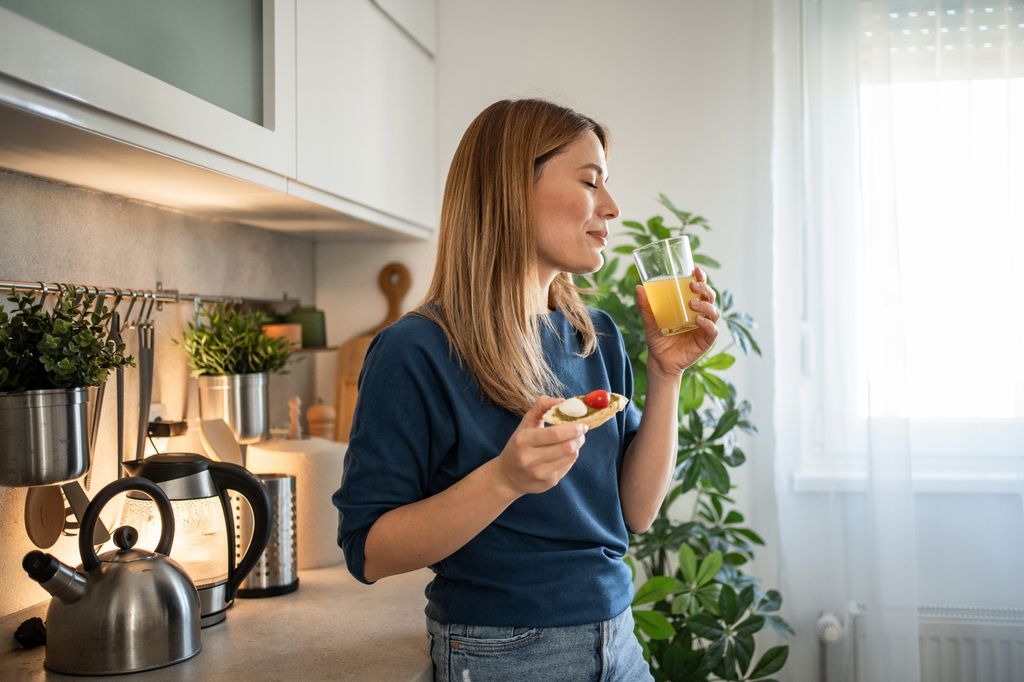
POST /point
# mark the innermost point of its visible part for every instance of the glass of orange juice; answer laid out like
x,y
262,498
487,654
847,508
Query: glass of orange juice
x,y
666,270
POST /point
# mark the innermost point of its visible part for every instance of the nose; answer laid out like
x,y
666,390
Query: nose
x,y
608,209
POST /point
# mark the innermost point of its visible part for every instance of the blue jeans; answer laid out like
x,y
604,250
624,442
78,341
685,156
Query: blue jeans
x,y
607,651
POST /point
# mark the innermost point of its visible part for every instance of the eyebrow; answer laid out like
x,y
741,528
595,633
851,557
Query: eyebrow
x,y
594,166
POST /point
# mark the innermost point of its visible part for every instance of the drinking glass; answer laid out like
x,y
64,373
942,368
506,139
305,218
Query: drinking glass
x,y
666,270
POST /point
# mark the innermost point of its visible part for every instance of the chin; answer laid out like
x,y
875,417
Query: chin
x,y
591,267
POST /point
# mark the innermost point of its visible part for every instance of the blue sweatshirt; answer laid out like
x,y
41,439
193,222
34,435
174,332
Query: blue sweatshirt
x,y
421,423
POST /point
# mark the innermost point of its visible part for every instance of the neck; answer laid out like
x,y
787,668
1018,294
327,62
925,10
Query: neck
x,y
539,304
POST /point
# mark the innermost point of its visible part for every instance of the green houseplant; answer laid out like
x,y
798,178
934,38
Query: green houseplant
x,y
696,611
49,361
232,358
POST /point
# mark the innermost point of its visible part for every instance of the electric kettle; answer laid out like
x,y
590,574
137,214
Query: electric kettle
x,y
124,611
205,546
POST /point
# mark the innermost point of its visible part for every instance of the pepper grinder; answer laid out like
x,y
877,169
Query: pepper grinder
x,y
320,418
294,415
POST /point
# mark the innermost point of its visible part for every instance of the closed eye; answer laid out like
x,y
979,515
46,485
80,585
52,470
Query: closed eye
x,y
590,184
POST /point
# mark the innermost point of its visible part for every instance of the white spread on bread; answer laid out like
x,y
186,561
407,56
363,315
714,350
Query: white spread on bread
x,y
573,407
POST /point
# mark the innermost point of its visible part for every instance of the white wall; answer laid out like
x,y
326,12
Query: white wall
x,y
685,87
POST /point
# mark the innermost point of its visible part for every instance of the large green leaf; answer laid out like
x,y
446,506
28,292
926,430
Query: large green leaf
x,y
727,604
705,626
772,661
717,474
719,361
656,589
744,645
709,567
725,423
654,624
688,563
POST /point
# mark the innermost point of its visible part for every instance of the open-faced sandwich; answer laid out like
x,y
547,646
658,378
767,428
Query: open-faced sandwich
x,y
592,409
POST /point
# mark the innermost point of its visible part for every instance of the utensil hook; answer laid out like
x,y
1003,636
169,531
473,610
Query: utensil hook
x,y
128,315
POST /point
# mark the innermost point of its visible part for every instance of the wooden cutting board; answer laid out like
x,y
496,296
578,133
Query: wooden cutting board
x,y
394,281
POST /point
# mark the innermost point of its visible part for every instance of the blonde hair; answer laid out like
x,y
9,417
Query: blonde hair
x,y
485,277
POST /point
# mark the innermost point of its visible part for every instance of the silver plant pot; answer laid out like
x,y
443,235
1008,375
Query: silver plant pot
x,y
44,436
241,400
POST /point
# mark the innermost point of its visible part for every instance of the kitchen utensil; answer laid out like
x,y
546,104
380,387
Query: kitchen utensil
x,y
198,489
312,322
79,502
219,441
147,338
316,464
394,281
124,611
44,436
277,569
96,402
115,336
240,400
44,515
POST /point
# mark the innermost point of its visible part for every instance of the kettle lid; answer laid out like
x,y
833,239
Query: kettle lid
x,y
169,466
125,538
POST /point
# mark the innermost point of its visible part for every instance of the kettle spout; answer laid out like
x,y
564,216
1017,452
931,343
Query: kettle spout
x,y
57,578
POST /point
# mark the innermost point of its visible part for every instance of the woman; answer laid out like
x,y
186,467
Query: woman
x,y
449,464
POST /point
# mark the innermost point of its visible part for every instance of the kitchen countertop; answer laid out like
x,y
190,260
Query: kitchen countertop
x,y
331,628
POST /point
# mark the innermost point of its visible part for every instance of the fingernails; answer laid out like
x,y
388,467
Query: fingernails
x,y
582,429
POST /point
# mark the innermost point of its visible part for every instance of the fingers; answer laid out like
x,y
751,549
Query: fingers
x,y
535,416
706,309
552,435
700,286
710,332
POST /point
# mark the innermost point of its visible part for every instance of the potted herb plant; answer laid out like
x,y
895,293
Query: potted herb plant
x,y
232,358
49,361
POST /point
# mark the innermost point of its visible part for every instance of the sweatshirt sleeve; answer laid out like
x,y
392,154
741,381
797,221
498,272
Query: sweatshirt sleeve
x,y
400,430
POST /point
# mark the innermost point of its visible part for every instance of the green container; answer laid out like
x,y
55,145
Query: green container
x,y
312,321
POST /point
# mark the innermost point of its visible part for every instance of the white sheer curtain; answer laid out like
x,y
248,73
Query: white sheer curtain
x,y
899,225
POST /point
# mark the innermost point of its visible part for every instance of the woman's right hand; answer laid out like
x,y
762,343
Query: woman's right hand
x,y
536,457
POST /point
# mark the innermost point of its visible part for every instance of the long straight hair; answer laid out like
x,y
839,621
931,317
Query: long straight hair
x,y
485,276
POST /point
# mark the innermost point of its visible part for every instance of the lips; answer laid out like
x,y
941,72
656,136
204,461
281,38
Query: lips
x,y
600,235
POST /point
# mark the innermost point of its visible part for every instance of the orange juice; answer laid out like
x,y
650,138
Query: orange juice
x,y
670,300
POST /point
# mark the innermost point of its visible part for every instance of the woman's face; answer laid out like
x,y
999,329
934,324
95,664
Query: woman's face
x,y
571,210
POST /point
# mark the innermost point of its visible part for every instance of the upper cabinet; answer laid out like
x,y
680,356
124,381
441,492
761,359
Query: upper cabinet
x,y
315,117
218,75
366,104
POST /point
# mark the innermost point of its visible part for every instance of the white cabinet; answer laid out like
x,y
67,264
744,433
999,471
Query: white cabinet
x,y
366,107
45,71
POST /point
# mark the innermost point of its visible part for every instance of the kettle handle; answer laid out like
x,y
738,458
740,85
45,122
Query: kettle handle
x,y
229,476
90,561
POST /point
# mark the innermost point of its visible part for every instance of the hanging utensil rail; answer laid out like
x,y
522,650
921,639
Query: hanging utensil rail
x,y
159,296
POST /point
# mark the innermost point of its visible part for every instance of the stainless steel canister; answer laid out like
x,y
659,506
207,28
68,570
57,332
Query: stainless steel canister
x,y
241,400
277,570
44,436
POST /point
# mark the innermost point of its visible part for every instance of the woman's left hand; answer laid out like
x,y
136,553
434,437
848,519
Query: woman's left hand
x,y
672,354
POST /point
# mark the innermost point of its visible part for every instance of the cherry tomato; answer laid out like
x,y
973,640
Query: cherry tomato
x,y
597,399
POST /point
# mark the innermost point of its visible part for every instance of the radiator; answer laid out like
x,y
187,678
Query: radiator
x,y
957,644
960,644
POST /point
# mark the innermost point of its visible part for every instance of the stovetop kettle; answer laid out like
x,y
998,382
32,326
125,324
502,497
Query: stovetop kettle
x,y
124,611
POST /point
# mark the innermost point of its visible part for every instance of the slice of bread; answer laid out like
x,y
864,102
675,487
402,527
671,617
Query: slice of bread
x,y
592,420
